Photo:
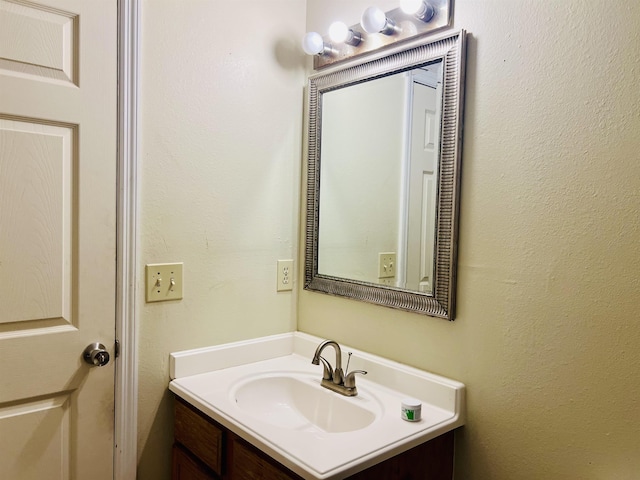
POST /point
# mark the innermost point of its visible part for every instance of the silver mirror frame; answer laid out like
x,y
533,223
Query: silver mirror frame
x,y
451,49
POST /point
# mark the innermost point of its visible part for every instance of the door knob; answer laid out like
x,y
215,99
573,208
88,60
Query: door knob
x,y
96,354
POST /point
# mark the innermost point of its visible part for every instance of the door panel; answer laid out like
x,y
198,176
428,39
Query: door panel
x,y
423,184
38,41
24,454
58,87
35,194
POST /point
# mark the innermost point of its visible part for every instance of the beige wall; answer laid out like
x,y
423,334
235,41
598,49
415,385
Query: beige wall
x,y
547,337
221,123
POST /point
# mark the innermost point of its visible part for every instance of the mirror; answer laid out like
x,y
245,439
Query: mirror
x,y
383,177
378,179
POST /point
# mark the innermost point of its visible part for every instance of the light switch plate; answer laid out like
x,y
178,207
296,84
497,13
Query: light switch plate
x,y
386,264
164,281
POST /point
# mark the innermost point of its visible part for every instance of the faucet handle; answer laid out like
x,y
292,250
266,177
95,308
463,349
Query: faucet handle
x,y
327,371
350,379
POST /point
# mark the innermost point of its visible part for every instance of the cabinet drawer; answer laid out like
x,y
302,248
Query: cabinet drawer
x,y
250,464
199,435
186,467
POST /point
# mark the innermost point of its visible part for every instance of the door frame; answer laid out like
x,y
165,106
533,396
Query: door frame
x,y
126,367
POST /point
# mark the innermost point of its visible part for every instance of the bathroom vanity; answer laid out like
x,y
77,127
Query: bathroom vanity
x,y
257,409
205,450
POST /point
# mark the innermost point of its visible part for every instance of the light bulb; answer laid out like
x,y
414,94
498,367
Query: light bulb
x,y
340,33
312,43
418,8
374,20
410,6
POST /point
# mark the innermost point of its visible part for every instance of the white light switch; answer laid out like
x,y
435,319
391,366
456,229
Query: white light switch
x,y
386,265
164,282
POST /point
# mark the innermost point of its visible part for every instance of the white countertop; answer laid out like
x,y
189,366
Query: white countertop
x,y
207,378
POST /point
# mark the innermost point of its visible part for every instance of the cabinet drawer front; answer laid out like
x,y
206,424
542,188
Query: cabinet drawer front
x,y
249,465
199,435
186,468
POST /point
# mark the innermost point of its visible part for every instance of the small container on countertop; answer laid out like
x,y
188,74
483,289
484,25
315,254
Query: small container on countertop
x,y
411,410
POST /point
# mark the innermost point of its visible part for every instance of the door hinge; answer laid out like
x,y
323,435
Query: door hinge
x,y
116,348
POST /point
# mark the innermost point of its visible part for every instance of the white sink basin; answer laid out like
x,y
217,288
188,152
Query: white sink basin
x,y
268,392
298,402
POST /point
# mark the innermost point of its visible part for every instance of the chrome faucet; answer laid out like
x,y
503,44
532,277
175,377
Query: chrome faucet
x,y
336,379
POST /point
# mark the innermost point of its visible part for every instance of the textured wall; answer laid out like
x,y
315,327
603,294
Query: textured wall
x,y
547,334
221,125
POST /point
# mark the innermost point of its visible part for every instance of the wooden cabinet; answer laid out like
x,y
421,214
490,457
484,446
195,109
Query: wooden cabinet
x,y
198,434
188,467
205,450
198,446
247,462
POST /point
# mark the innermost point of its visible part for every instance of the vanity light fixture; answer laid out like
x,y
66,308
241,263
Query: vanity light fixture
x,y
313,44
377,29
420,9
375,20
340,33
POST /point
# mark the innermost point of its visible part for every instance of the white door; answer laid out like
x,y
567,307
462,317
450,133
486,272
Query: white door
x,y
58,115
423,184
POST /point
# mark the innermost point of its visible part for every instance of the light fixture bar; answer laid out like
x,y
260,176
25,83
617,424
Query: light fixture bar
x,y
402,27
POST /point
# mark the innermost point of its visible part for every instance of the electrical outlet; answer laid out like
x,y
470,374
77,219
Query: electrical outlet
x,y
285,275
164,282
386,264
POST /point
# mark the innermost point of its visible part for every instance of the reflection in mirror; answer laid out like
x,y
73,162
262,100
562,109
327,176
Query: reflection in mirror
x,y
383,177
380,148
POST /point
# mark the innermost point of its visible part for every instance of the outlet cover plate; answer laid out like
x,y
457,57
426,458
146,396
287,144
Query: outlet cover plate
x,y
285,275
164,281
